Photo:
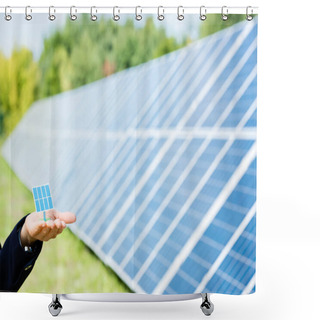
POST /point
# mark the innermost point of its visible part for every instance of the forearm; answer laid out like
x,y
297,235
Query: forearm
x,y
25,238
15,263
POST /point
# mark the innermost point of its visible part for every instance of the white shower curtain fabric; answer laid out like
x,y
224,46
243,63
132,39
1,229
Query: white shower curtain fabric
x,y
146,131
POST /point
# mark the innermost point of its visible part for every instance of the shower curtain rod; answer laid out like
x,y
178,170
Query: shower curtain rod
x,y
128,10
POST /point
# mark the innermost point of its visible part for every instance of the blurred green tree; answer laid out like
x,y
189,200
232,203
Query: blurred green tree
x,y
214,23
19,79
86,51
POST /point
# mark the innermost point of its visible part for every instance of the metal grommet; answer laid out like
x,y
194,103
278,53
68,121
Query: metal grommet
x,y
249,16
224,13
93,16
203,12
6,15
51,16
28,15
138,16
180,15
160,16
116,17
73,16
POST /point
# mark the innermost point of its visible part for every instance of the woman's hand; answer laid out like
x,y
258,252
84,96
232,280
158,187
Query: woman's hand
x,y
36,228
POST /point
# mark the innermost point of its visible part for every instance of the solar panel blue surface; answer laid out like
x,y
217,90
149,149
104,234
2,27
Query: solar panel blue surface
x,y
42,198
161,169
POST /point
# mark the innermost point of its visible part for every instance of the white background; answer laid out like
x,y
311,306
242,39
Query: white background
x,y
288,237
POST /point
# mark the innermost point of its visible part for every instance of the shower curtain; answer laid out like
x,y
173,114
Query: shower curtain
x,y
145,133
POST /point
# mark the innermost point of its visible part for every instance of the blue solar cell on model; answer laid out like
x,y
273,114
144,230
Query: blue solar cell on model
x,y
35,193
43,189
41,205
39,192
41,200
50,203
46,204
37,205
48,191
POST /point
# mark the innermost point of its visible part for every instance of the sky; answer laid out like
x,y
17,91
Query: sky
x,y
20,32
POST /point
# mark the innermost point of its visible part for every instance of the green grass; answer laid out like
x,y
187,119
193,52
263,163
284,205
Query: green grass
x,y
66,264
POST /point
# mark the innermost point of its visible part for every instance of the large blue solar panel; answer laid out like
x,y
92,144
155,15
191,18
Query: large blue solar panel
x,y
163,183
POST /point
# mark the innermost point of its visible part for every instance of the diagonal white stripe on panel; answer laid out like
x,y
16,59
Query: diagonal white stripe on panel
x,y
250,285
223,254
106,164
146,133
164,203
215,75
212,212
228,82
197,77
237,97
195,192
150,195
235,46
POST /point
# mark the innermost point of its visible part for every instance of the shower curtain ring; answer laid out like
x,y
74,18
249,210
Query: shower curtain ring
x,y
160,16
203,12
93,16
180,14
116,17
249,16
28,15
73,16
52,16
224,13
6,15
138,16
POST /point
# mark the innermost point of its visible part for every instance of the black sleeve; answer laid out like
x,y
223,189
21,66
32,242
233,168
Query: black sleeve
x,y
16,263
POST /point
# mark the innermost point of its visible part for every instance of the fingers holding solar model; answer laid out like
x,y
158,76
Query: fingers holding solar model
x,y
44,226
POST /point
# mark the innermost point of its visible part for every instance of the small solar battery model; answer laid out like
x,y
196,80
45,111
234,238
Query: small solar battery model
x,y
42,199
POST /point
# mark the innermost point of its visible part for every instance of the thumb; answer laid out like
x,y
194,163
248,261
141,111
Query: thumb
x,y
67,217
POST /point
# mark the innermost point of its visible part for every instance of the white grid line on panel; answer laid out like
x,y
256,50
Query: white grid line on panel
x,y
233,239
250,285
153,191
212,212
215,75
